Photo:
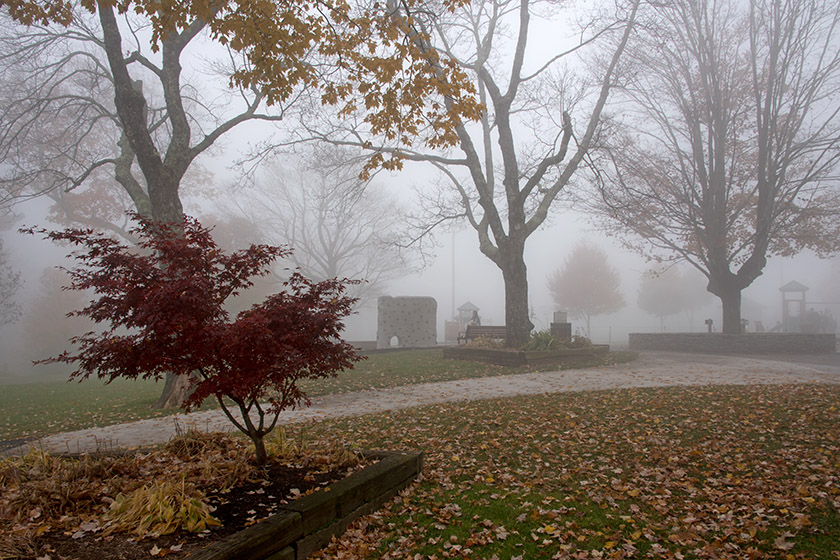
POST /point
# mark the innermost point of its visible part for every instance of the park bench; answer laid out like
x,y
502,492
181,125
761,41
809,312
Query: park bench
x,y
490,331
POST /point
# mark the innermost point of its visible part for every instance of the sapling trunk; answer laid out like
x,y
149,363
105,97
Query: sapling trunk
x,y
259,448
247,427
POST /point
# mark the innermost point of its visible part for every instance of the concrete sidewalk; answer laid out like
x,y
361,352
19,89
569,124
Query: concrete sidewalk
x,y
652,369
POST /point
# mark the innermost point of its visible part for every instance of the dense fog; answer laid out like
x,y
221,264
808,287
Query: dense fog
x,y
560,161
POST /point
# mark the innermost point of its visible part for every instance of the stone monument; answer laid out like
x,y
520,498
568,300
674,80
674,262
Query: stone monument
x,y
411,321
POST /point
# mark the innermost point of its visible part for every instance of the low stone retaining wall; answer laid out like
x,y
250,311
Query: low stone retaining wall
x,y
520,358
307,524
750,343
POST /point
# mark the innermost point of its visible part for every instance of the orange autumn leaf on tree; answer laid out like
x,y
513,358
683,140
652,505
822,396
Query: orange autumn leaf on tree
x,y
373,56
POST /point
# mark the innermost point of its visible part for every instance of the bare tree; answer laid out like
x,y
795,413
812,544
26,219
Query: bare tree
x,y
507,171
731,151
586,284
668,291
338,225
9,284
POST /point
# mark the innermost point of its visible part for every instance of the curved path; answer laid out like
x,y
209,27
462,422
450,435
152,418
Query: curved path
x,y
652,369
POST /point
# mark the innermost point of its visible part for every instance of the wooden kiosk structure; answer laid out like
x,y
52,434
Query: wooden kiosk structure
x,y
793,306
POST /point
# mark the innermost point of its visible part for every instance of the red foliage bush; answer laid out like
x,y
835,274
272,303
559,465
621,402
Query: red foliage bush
x,y
162,304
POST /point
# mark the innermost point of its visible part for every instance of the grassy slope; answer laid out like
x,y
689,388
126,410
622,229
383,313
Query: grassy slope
x,y
38,409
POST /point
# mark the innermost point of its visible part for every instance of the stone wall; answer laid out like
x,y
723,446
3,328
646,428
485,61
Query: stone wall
x,y
750,343
413,320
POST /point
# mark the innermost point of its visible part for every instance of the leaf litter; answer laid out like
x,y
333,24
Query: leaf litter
x,y
709,472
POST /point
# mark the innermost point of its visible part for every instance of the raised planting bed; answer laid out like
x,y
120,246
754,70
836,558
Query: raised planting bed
x,y
521,358
303,526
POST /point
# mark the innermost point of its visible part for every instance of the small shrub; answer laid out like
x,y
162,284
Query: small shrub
x,y
299,452
579,341
486,343
282,447
542,341
39,484
162,309
195,443
17,546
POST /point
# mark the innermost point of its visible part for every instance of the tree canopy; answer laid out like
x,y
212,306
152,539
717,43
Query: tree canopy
x,y
372,60
670,291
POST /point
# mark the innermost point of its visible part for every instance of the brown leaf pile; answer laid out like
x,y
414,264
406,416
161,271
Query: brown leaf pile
x,y
714,472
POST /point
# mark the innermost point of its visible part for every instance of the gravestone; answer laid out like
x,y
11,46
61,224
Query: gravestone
x,y
560,328
408,321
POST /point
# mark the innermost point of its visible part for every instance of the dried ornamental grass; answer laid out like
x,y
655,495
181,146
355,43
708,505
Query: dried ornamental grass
x,y
161,508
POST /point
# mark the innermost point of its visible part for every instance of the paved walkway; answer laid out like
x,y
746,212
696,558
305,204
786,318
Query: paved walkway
x,y
652,369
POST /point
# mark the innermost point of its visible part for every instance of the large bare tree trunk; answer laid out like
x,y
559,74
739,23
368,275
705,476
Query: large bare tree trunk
x,y
517,316
727,287
166,206
730,298
176,389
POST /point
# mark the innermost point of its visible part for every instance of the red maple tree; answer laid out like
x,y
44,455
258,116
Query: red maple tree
x,y
162,304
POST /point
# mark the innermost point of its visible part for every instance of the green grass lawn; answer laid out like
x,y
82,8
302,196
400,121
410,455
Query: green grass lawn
x,y
708,472
39,409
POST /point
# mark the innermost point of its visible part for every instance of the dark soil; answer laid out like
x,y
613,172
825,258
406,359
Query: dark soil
x,y
237,509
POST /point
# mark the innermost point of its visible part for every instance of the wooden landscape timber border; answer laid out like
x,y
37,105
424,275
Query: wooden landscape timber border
x,y
749,343
522,358
307,524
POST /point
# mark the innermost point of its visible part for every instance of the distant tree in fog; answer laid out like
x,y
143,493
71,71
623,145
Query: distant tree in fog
x,y
818,322
234,233
586,284
829,286
337,225
729,149
668,291
9,284
47,328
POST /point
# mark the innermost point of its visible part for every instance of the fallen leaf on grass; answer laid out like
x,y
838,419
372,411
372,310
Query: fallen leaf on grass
x,y
782,544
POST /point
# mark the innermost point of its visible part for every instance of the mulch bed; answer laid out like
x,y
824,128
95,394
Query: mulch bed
x,y
237,509
141,503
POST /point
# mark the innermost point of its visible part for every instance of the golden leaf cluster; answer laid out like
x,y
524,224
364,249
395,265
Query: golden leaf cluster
x,y
373,58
